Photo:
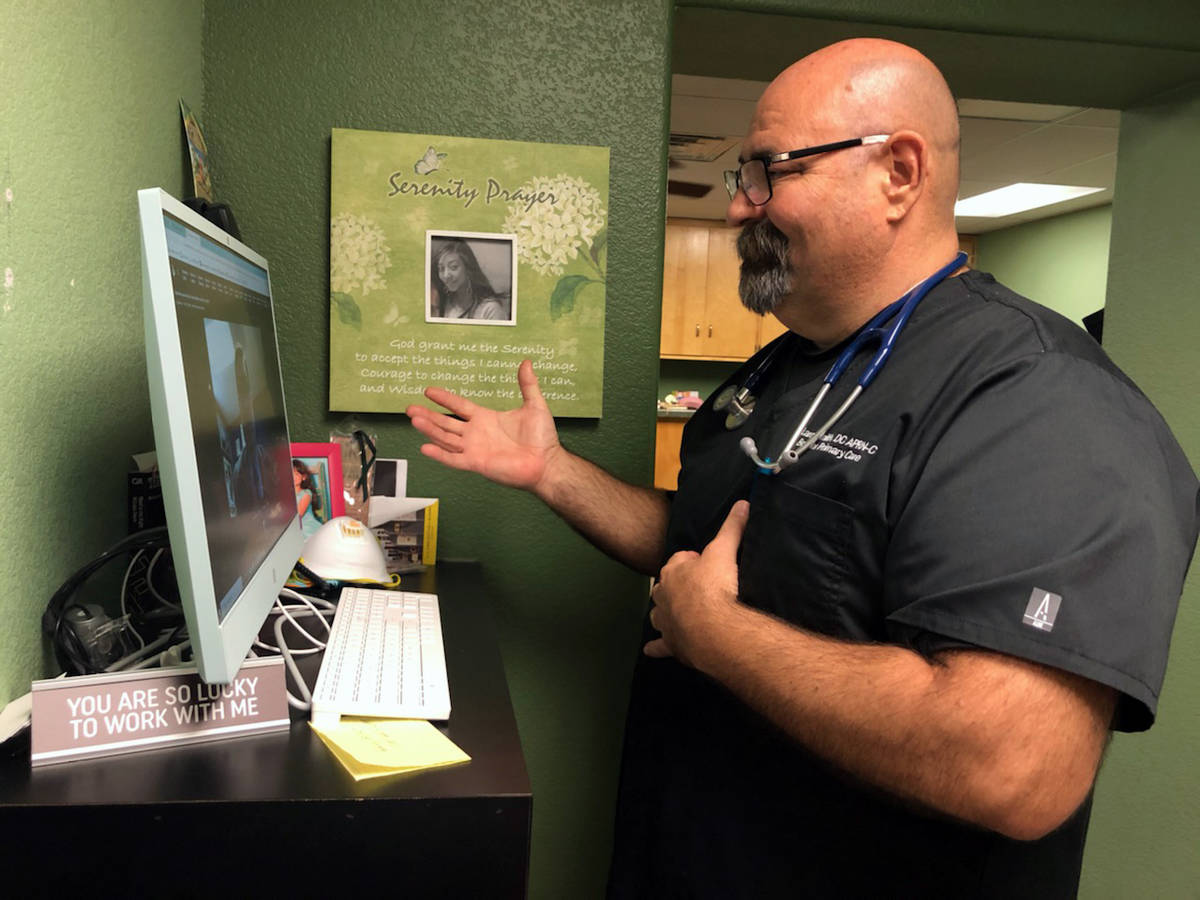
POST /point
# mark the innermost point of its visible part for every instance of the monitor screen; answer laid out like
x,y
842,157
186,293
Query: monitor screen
x,y
220,428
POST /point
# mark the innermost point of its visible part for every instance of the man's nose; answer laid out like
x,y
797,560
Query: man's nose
x,y
741,211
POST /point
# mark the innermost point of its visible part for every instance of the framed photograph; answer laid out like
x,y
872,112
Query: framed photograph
x,y
470,278
198,153
317,476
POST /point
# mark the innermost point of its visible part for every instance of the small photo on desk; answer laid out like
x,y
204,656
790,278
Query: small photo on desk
x,y
317,478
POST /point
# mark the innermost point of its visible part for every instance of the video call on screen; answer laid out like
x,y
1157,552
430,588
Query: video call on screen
x,y
235,397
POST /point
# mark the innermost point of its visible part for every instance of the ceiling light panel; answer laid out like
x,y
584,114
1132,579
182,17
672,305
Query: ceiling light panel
x,y
1015,198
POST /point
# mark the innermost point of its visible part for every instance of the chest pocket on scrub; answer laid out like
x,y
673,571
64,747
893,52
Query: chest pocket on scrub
x,y
794,556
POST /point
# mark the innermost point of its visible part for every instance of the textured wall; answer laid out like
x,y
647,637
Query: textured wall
x,y
1145,834
278,77
90,114
1060,262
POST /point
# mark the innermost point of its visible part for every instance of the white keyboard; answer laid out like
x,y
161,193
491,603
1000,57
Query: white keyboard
x,y
384,658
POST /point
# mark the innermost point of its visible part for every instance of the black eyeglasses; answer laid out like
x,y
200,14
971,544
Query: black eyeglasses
x,y
752,177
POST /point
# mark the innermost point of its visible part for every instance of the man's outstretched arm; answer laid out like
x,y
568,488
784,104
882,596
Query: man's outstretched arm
x,y
520,448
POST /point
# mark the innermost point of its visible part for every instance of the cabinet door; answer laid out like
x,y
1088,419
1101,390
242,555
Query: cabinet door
x,y
731,331
668,435
685,270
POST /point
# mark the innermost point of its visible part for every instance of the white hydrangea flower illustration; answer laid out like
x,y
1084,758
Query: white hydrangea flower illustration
x,y
418,219
551,235
358,254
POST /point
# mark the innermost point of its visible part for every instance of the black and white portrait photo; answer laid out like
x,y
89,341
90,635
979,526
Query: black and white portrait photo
x,y
471,278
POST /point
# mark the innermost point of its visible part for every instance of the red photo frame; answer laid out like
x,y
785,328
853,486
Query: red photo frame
x,y
323,467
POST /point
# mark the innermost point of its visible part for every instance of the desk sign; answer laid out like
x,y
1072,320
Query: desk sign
x,y
100,715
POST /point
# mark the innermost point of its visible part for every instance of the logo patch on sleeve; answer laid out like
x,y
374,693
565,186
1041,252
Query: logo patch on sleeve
x,y
1042,609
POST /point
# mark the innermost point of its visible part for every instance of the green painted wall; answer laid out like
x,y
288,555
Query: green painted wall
x,y
278,77
1145,834
90,114
1060,262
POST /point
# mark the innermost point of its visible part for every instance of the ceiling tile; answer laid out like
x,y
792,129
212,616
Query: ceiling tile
x,y
730,88
1100,172
1099,118
711,115
1007,109
973,188
1032,156
979,136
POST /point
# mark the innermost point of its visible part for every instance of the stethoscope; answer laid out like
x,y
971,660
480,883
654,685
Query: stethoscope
x,y
885,327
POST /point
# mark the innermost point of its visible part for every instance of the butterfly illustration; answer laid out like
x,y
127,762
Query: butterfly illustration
x,y
430,162
393,317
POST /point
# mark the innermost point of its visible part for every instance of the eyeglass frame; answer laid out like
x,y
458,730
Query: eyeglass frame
x,y
733,177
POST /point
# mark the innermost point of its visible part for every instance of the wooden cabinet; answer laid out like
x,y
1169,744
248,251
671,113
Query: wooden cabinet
x,y
702,317
668,435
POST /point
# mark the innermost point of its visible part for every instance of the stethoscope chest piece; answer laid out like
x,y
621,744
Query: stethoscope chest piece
x,y
740,403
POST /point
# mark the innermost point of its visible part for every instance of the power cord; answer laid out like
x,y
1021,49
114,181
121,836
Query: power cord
x,y
164,641
287,614
69,650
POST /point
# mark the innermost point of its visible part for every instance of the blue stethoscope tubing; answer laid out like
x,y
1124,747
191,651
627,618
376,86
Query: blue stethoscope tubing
x,y
885,328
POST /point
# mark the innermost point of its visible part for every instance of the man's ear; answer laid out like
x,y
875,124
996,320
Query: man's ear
x,y
906,163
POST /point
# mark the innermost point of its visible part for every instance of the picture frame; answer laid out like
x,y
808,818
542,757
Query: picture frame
x,y
322,478
487,268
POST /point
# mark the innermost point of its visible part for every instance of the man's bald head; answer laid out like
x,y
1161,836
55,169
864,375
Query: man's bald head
x,y
871,86
842,233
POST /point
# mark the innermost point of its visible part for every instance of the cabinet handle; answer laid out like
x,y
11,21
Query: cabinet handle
x,y
710,330
697,329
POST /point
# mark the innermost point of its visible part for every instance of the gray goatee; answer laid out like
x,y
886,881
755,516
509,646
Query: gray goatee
x,y
766,272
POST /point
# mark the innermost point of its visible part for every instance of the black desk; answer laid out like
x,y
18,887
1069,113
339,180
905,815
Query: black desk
x,y
277,815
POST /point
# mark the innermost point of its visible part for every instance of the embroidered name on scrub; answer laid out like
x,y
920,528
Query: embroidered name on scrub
x,y
842,446
1042,609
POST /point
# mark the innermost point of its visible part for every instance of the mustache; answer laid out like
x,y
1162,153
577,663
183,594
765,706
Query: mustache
x,y
766,272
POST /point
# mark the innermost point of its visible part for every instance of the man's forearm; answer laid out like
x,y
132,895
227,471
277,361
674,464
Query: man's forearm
x,y
987,738
627,522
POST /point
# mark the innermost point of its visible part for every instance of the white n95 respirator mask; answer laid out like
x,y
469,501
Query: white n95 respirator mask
x,y
345,550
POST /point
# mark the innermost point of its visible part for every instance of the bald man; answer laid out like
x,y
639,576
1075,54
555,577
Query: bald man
x,y
891,667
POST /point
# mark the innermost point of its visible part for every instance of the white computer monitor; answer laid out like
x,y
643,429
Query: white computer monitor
x,y
216,397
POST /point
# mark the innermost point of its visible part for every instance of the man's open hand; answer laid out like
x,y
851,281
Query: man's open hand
x,y
510,448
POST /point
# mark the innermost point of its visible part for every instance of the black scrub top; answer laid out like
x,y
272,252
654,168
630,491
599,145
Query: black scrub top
x,y
1001,485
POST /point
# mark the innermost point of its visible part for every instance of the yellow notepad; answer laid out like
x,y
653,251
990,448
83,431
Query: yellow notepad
x,y
370,748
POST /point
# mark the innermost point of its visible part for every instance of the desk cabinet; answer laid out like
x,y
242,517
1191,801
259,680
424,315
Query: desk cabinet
x,y
702,317
276,815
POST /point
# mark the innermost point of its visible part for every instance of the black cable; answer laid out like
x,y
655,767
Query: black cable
x,y
68,649
364,444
